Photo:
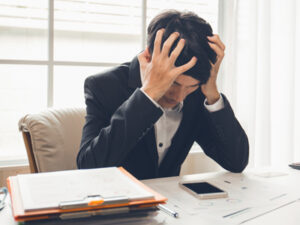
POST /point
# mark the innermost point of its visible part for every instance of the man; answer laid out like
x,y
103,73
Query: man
x,y
145,115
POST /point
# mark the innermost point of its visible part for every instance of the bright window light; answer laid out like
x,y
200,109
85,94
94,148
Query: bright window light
x,y
89,36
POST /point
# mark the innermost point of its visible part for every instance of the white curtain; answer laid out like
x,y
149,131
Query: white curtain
x,y
261,75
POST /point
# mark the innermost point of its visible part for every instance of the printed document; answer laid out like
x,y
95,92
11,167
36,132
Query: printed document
x,y
48,190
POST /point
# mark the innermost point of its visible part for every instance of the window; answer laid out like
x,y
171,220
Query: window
x,y
47,44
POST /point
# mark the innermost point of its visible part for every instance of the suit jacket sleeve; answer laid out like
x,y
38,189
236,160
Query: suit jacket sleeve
x,y
108,138
225,140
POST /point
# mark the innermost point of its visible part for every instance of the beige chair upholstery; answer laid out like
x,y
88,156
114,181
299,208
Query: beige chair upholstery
x,y
52,138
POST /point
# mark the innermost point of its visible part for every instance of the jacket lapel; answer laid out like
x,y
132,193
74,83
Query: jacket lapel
x,y
151,148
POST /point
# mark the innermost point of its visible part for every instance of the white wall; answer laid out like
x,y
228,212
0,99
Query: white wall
x,y
198,162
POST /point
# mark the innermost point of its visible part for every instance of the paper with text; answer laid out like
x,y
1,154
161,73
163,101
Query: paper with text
x,y
248,198
47,190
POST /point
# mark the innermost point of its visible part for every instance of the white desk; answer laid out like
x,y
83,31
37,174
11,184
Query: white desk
x,y
289,214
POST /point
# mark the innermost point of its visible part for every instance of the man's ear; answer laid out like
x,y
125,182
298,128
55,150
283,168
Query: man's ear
x,y
147,54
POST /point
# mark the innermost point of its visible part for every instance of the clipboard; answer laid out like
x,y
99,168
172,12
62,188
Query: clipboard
x,y
88,206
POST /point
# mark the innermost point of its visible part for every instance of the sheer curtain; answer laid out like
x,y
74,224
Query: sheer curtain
x,y
261,75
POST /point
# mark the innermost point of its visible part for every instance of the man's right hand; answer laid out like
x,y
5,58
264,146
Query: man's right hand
x,y
159,71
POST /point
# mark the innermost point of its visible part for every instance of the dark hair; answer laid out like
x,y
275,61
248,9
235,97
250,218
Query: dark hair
x,y
194,30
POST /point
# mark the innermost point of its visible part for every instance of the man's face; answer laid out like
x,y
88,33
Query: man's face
x,y
180,89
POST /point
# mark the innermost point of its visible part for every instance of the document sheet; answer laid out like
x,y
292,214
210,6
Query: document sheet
x,y
48,190
248,197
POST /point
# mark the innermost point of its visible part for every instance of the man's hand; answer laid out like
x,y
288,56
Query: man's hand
x,y
159,72
210,89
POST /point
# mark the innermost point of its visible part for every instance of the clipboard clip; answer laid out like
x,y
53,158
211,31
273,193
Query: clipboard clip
x,y
92,201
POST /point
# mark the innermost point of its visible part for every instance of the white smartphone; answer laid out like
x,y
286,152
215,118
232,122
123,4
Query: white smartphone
x,y
204,190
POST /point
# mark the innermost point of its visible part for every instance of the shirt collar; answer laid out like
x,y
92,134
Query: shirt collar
x,y
177,108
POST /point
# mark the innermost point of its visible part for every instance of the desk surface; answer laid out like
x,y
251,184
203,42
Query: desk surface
x,y
288,214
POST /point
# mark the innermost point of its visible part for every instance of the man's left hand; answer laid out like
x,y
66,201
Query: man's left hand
x,y
210,89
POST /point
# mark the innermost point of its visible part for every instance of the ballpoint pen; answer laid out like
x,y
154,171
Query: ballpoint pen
x,y
168,211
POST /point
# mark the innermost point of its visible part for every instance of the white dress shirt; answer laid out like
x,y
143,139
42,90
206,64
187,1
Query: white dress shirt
x,y
168,123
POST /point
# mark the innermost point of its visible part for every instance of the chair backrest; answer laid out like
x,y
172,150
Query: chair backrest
x,y
52,138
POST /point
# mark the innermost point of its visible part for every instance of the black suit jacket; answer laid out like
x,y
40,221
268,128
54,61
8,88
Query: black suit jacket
x,y
119,128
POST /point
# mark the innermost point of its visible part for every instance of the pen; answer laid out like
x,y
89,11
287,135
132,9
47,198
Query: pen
x,y
168,211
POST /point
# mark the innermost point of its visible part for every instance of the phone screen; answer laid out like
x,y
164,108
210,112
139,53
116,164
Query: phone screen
x,y
202,188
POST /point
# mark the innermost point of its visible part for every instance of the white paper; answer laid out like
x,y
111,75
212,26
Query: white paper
x,y
48,190
248,198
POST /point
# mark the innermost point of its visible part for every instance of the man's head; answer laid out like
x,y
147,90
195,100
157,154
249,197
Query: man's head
x,y
194,30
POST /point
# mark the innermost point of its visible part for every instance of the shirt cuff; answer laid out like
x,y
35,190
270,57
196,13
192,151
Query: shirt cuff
x,y
218,105
154,102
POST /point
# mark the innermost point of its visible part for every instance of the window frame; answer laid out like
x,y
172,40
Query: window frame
x,y
51,63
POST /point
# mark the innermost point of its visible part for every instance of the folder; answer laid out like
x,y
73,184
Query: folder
x,y
79,193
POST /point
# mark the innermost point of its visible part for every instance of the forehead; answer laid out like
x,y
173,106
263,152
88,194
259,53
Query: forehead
x,y
186,80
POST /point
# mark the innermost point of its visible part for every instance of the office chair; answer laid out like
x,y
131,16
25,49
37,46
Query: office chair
x,y
52,138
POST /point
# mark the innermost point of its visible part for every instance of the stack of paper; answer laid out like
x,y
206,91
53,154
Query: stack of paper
x,y
80,193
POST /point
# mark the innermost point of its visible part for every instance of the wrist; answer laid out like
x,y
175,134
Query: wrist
x,y
150,93
212,99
